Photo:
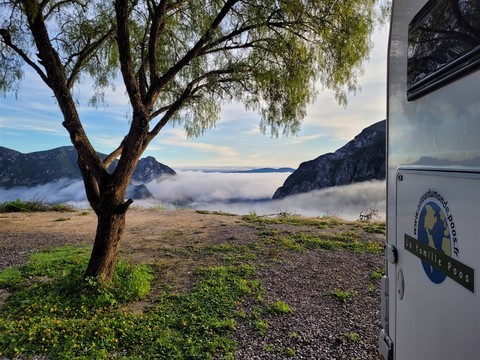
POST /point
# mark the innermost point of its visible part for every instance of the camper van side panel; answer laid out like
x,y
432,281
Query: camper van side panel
x,y
433,189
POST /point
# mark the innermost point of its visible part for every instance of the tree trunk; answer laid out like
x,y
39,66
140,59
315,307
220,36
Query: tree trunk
x,y
107,197
110,227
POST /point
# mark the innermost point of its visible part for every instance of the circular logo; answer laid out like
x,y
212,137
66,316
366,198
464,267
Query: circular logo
x,y
433,230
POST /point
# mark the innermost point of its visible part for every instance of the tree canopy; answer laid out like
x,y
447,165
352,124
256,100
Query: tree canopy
x,y
182,59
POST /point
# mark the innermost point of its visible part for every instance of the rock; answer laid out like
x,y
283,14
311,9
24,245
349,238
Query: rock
x,y
149,169
359,160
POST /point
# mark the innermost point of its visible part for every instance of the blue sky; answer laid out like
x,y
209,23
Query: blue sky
x,y
31,121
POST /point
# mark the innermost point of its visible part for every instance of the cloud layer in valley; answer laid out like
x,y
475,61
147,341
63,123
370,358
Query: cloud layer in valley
x,y
239,193
346,202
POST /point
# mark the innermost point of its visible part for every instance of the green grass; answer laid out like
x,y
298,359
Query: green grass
x,y
32,206
287,219
373,227
54,312
289,352
339,241
377,274
290,243
10,277
260,325
352,336
279,307
208,212
269,348
235,253
56,261
341,295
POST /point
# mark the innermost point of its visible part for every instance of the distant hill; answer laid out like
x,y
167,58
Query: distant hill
x,y
361,159
266,170
43,167
249,171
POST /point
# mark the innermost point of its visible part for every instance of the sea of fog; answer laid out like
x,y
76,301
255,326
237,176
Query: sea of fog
x,y
237,193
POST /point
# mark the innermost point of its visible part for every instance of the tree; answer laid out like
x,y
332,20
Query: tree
x,y
180,60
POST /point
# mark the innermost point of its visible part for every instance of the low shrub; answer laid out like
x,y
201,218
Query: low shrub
x,y
33,206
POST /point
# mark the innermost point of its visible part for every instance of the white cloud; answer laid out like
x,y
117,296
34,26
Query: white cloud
x,y
304,138
38,125
56,192
196,186
224,151
231,192
178,137
38,116
106,141
346,202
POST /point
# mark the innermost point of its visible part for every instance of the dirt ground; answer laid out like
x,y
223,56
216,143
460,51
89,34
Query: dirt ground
x,y
177,242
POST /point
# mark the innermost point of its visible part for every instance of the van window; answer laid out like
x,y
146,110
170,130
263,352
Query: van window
x,y
443,42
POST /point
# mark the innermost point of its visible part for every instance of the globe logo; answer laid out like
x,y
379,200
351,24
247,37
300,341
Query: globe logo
x,y
433,230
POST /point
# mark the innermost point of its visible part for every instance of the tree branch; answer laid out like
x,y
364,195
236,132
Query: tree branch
x,y
56,6
158,83
56,80
157,28
189,90
170,112
86,54
8,41
159,111
113,155
124,46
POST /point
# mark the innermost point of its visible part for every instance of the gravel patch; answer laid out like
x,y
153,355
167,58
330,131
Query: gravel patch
x,y
321,326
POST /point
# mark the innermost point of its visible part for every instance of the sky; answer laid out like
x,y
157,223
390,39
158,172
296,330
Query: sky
x,y
31,121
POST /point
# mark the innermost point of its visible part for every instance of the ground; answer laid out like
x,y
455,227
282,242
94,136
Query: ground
x,y
333,293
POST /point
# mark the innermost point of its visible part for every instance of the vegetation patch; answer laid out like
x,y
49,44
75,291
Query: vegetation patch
x,y
288,219
55,261
55,312
352,336
10,277
208,212
33,206
280,307
289,352
63,219
342,295
260,325
235,253
338,241
377,274
373,227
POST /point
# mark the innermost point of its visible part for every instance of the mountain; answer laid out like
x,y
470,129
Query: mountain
x,y
265,170
43,167
248,171
361,159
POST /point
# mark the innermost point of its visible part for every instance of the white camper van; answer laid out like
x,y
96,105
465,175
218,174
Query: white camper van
x,y
431,291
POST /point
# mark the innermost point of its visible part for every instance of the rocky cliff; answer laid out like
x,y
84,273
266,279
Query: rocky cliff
x,y
361,159
43,167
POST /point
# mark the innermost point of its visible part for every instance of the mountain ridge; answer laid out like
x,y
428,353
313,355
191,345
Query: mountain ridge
x,y
361,159
42,167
